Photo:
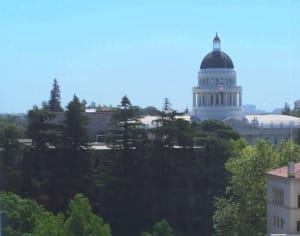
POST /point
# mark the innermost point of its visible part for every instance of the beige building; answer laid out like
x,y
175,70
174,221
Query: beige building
x,y
283,200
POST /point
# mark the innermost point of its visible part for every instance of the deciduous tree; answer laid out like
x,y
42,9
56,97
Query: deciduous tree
x,y
243,210
161,228
82,221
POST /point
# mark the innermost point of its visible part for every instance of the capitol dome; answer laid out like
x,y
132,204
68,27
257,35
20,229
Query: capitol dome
x,y
216,58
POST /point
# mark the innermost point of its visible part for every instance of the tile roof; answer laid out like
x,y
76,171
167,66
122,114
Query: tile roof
x,y
283,171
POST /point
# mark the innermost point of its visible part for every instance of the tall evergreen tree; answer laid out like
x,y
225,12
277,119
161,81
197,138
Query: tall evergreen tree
x,y
286,110
166,128
167,105
41,129
75,124
54,102
127,130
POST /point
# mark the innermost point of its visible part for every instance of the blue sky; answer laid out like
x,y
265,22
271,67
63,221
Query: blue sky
x,y
148,50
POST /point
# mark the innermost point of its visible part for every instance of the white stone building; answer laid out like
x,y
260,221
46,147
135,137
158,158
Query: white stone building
x,y
272,127
217,95
283,200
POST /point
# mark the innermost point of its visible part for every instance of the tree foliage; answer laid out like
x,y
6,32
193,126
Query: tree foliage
x,y
243,210
286,110
175,174
75,124
54,102
151,111
171,130
42,130
81,221
26,217
19,216
10,157
127,132
161,228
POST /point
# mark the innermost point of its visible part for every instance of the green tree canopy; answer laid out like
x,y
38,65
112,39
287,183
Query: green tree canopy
x,y
22,217
19,216
81,221
243,210
161,228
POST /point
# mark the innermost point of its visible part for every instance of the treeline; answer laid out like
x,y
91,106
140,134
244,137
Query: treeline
x,y
171,172
201,178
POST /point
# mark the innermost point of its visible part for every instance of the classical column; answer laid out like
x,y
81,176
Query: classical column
x,y
221,99
235,99
240,98
194,99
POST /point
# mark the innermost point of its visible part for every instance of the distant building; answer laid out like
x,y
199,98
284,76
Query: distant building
x,y
217,95
97,123
272,127
249,109
283,200
297,105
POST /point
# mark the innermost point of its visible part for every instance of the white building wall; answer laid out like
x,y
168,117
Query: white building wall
x,y
217,96
288,211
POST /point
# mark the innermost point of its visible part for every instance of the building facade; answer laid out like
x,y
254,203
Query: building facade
x,y
271,127
283,200
217,95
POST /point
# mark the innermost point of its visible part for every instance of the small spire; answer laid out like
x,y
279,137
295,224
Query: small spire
x,y
217,43
216,37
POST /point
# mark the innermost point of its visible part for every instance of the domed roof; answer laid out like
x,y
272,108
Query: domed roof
x,y
216,59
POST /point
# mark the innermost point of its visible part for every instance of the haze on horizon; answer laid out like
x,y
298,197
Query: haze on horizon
x,y
147,50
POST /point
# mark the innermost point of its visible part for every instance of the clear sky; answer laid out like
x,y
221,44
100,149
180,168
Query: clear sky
x,y
148,50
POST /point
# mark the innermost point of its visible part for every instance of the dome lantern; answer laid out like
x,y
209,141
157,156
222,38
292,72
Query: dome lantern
x,y
216,58
217,43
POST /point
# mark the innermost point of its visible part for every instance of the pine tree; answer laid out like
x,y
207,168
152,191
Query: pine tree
x,y
75,124
42,129
54,102
167,105
286,110
127,130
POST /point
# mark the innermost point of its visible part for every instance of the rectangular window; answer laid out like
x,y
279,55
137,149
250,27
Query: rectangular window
x,y
281,222
298,226
278,196
298,201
